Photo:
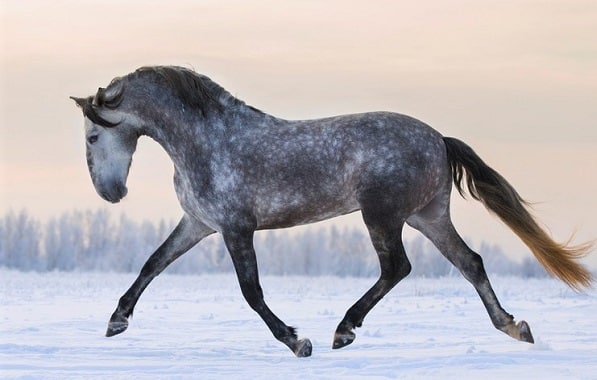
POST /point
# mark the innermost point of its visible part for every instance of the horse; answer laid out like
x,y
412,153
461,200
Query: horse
x,y
239,170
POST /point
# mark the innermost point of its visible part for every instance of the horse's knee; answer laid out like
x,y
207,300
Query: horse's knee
x,y
404,268
398,270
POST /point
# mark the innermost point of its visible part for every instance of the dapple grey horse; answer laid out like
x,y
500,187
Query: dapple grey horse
x,y
238,170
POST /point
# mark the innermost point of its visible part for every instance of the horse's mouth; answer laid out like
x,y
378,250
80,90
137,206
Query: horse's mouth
x,y
115,194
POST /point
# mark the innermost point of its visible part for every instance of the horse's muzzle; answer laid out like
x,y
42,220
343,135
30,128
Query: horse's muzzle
x,y
113,194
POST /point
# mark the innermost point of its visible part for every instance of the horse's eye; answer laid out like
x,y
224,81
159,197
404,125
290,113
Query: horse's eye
x,y
92,139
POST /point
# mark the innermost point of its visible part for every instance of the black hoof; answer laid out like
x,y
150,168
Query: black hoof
x,y
343,339
525,332
304,348
117,325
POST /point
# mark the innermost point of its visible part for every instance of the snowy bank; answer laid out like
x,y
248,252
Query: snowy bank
x,y
199,327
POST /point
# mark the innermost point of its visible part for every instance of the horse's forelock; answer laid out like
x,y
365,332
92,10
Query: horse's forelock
x,y
110,97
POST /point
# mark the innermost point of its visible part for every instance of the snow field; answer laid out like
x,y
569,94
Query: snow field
x,y
200,327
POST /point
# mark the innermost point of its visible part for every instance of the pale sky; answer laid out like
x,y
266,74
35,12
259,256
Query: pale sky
x,y
516,80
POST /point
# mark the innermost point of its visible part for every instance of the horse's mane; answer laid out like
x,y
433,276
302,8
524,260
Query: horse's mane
x,y
195,90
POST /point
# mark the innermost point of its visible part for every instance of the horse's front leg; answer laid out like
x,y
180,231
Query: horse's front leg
x,y
187,233
240,246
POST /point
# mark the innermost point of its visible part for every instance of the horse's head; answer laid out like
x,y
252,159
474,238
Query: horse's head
x,y
111,136
141,103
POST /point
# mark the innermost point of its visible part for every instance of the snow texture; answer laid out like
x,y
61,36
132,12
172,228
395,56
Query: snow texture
x,y
199,327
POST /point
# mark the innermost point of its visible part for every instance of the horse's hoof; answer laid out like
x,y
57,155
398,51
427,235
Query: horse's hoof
x,y
519,331
303,348
116,326
525,332
343,339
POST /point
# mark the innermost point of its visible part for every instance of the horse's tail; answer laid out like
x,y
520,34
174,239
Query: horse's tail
x,y
488,186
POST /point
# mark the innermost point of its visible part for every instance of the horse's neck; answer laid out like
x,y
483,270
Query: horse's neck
x,y
192,138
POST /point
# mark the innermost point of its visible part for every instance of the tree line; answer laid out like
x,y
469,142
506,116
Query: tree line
x,y
96,241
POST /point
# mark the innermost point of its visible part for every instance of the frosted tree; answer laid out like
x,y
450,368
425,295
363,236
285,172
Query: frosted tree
x,y
497,262
92,240
125,247
531,268
269,258
52,244
99,243
356,246
64,238
20,247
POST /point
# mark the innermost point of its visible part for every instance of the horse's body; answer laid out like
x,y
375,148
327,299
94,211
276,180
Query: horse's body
x,y
272,173
238,170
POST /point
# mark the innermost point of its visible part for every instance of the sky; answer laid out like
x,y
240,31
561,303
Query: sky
x,y
516,80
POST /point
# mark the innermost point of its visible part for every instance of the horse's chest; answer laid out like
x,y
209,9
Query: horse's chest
x,y
191,195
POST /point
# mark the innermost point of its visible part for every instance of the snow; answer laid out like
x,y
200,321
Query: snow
x,y
199,327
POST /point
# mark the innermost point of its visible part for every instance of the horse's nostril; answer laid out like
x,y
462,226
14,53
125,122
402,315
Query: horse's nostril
x,y
122,191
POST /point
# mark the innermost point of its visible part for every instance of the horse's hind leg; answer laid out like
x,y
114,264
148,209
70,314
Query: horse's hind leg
x,y
385,230
434,222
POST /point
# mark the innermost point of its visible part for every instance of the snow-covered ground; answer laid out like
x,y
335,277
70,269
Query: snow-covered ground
x,y
199,327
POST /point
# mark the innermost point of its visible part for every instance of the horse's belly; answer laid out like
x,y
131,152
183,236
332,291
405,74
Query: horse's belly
x,y
279,211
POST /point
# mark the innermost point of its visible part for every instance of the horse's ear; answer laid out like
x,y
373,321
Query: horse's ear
x,y
80,101
92,112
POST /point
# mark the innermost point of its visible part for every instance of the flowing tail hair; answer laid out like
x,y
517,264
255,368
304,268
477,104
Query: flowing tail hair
x,y
489,187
